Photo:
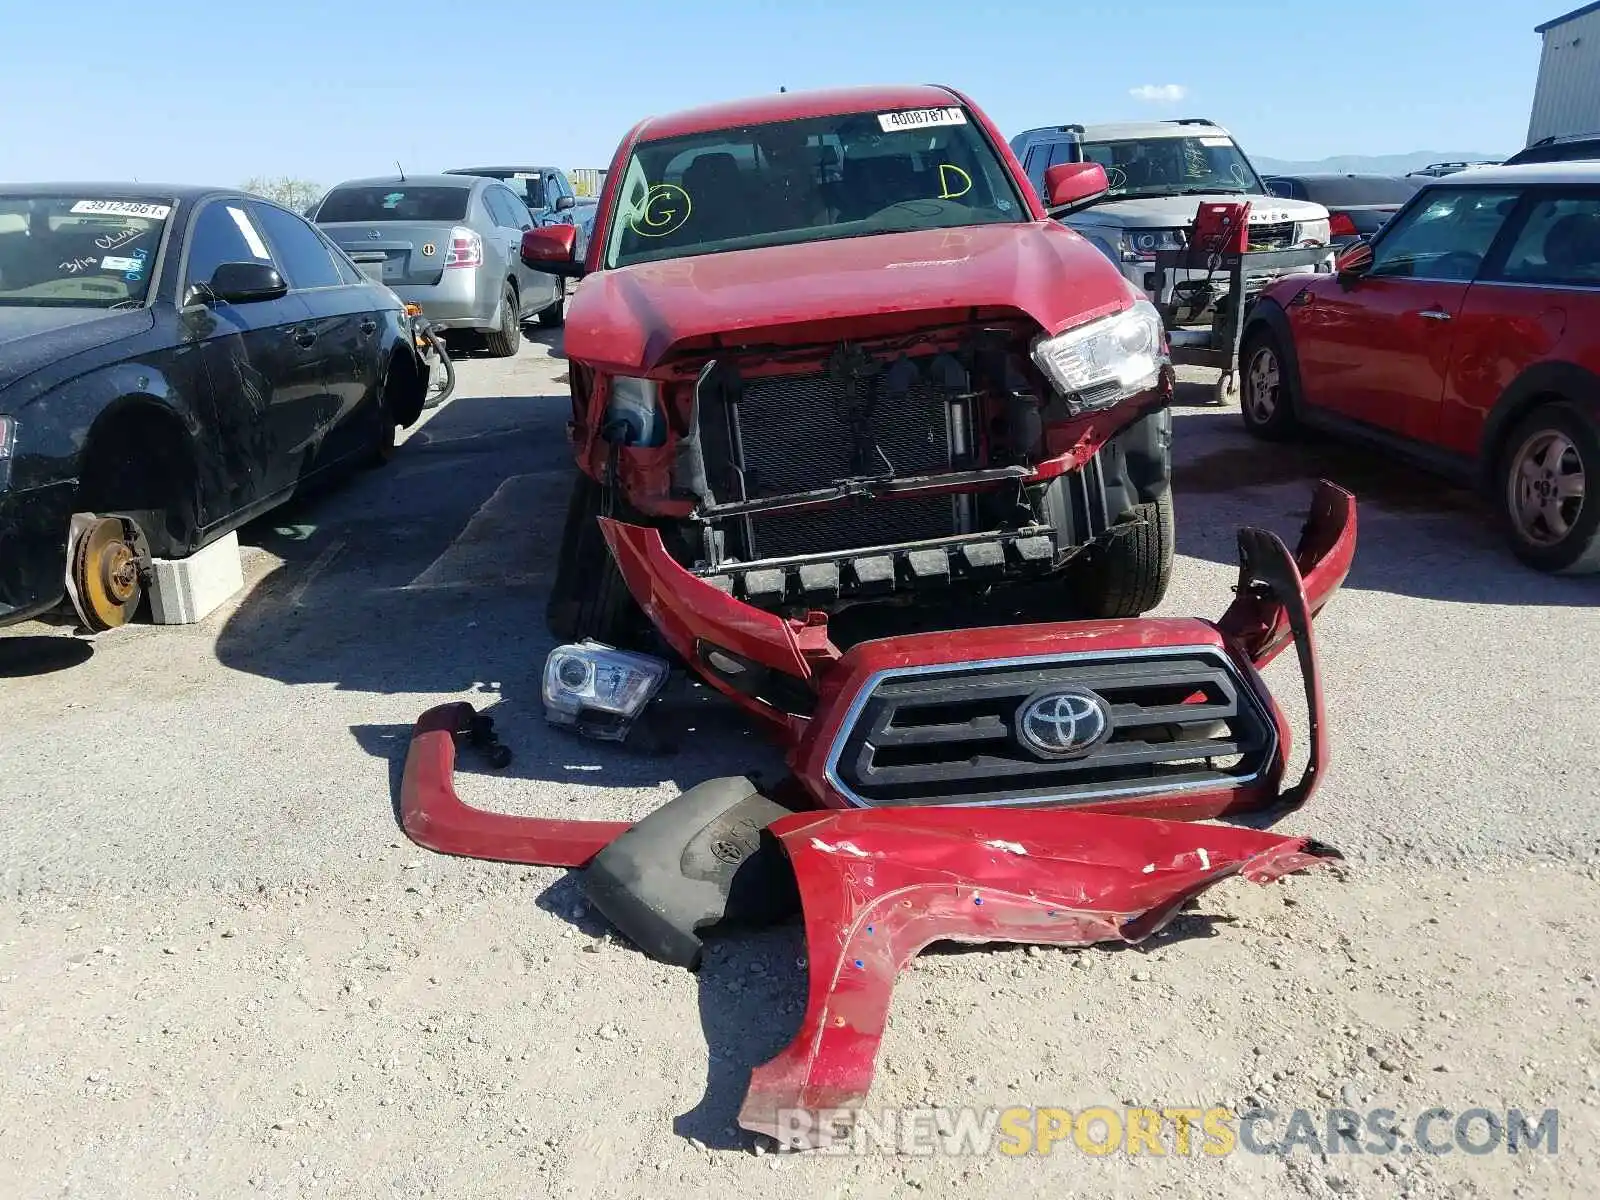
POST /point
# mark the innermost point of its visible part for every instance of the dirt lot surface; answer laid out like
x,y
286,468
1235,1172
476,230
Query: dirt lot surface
x,y
225,972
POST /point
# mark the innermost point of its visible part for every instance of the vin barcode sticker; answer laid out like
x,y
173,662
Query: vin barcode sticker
x,y
123,208
920,118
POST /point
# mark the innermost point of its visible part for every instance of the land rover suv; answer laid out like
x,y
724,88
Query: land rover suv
x,y
1160,172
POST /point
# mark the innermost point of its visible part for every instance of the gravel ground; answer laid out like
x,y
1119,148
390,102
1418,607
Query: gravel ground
x,y
223,970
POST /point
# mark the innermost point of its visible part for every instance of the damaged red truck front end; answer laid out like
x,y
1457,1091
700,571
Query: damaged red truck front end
x,y
882,382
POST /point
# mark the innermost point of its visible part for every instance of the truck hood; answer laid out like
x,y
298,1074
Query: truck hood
x,y
628,318
1178,212
31,338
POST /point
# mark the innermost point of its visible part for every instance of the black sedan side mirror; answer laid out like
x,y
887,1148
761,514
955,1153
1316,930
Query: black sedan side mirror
x,y
565,202
247,283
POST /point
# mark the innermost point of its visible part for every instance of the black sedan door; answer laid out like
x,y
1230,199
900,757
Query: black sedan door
x,y
260,364
342,318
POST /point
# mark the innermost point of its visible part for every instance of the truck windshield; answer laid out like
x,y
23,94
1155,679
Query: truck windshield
x,y
67,251
810,180
1175,166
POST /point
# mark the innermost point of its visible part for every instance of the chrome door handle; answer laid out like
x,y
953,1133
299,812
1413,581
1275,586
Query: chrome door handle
x,y
1434,314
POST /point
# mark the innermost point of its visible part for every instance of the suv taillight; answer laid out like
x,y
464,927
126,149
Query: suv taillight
x,y
466,249
1341,225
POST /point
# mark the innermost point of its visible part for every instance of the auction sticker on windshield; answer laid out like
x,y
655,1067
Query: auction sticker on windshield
x,y
920,118
123,208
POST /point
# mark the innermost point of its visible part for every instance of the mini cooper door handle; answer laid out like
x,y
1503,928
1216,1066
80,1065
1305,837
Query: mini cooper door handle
x,y
1434,314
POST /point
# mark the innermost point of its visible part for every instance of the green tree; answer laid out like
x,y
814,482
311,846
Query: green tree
x,y
296,194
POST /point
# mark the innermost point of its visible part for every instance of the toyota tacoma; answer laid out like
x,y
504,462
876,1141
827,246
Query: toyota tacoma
x,y
833,348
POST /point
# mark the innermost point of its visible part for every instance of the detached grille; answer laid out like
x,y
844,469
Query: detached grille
x,y
1180,719
795,433
1272,237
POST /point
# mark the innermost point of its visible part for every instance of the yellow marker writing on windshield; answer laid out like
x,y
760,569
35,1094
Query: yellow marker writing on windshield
x,y
666,208
948,174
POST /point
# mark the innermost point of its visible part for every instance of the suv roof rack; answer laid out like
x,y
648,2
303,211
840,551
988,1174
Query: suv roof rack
x,y
1193,121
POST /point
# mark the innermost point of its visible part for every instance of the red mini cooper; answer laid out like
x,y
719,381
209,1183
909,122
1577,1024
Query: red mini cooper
x,y
1465,335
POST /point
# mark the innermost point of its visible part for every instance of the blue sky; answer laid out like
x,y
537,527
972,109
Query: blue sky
x,y
215,92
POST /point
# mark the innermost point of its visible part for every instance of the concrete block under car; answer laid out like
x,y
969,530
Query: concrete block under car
x,y
186,590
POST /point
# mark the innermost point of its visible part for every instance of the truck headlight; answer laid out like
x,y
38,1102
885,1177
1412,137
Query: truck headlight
x,y
634,407
1098,364
598,690
1142,245
8,446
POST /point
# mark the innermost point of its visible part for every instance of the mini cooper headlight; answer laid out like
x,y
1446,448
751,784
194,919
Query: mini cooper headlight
x,y
598,690
1098,364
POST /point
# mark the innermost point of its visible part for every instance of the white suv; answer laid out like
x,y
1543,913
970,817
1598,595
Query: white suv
x,y
1160,174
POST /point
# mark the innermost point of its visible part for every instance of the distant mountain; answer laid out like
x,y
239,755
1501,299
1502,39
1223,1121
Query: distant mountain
x,y
1370,164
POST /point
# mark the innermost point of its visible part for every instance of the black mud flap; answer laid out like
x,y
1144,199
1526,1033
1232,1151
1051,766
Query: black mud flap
x,y
698,860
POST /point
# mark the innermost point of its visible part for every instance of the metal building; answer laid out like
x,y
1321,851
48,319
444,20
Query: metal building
x,y
1567,98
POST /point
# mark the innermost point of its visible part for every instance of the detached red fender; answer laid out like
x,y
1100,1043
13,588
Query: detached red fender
x,y
878,885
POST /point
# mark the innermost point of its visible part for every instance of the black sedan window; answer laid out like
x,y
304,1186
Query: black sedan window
x,y
305,259
224,232
1358,190
68,251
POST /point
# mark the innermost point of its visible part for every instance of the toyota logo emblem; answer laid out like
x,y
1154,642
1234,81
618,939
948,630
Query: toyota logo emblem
x,y
1063,724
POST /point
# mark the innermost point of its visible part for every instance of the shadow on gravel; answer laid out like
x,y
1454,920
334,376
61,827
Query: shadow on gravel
x,y
1419,535
28,654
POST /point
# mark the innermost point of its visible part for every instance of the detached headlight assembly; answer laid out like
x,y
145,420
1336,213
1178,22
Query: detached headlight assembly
x,y
1098,364
599,691
633,412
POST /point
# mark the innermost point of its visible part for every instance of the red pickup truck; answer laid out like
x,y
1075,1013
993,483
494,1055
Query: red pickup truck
x,y
831,346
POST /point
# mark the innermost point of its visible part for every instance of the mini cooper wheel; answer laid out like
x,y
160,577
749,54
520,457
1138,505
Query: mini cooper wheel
x,y
1266,387
1544,472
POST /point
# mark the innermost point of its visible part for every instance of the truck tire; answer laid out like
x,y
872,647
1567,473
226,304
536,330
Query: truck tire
x,y
1128,574
590,599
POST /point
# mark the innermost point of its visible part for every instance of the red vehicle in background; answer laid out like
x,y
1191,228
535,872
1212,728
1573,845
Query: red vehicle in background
x,y
831,350
1466,337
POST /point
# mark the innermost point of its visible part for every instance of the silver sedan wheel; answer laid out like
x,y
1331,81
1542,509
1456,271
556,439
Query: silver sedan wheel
x,y
1261,386
1545,488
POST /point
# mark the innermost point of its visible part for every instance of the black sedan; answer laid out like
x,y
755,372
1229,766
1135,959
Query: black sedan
x,y
173,362
1357,205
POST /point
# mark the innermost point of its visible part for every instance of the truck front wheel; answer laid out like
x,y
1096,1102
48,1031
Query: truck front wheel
x,y
590,598
1127,575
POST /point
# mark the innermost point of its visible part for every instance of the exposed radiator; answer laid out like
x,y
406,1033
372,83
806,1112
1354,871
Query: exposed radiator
x,y
796,436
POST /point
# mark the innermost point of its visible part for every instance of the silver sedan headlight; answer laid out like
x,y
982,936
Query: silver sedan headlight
x,y
1098,364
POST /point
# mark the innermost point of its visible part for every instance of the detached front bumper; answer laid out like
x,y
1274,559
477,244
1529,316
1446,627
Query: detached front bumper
x,y
1195,732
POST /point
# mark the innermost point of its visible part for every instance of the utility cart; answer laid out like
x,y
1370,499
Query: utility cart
x,y
1218,275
